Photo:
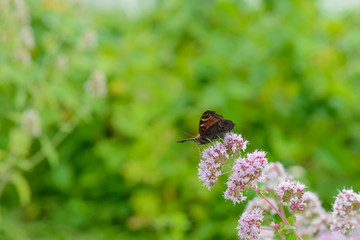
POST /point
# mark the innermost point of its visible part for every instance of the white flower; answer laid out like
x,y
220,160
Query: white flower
x,y
31,122
89,39
96,86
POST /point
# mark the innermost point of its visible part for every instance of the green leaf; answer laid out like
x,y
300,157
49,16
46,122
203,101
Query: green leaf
x,y
113,157
281,230
20,142
264,192
287,227
291,220
291,236
22,188
49,151
259,195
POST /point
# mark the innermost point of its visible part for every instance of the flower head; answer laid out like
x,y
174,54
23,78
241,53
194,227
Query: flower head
x,y
292,194
61,61
27,37
31,122
313,206
274,174
347,202
276,226
247,172
343,225
345,209
327,235
249,226
216,151
89,39
210,166
313,218
96,85
234,143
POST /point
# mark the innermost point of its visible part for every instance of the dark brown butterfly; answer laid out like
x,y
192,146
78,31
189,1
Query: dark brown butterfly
x,y
211,126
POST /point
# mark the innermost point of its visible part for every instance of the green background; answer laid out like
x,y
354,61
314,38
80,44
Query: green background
x,y
286,73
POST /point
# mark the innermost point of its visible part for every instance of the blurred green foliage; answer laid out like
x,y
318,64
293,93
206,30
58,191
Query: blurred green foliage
x,y
109,167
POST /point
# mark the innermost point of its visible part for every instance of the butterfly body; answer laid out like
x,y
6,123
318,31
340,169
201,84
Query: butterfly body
x,y
211,127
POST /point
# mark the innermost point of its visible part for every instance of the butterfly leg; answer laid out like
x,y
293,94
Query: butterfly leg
x,y
199,150
210,141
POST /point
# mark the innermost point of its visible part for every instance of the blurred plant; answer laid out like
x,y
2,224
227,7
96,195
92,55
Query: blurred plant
x,y
285,72
31,122
304,214
45,101
89,40
96,86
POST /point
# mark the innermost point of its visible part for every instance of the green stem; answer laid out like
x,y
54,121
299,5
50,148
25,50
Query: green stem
x,y
293,215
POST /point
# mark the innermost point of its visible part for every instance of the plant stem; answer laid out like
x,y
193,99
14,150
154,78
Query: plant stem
x,y
227,165
281,208
272,205
293,215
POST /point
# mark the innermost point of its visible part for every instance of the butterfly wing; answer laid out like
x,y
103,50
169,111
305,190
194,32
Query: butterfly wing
x,y
211,126
219,129
208,119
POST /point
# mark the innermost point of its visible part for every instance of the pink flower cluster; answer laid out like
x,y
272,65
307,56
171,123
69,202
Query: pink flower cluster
x,y
234,143
215,156
274,174
247,172
210,166
292,195
313,219
345,211
336,235
347,203
249,226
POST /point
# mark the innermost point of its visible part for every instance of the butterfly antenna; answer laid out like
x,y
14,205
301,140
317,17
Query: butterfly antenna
x,y
190,135
185,140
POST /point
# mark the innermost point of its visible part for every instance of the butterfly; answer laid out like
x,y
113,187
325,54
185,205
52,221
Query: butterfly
x,y
211,126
